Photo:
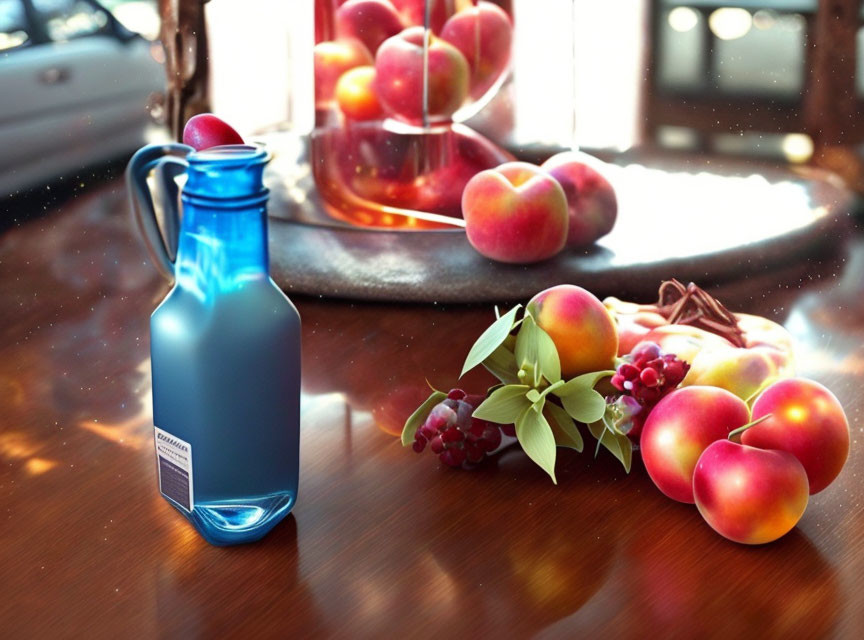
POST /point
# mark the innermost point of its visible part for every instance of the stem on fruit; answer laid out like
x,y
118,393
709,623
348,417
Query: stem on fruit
x,y
740,430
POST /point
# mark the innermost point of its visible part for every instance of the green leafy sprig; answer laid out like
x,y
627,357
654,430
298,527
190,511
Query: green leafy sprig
x,y
532,395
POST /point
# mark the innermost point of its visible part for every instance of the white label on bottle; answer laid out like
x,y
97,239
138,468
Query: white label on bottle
x,y
174,462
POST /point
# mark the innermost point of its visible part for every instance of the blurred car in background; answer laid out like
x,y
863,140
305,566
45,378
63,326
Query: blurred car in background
x,y
76,88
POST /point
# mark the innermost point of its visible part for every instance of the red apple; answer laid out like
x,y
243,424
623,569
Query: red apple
x,y
749,495
808,422
413,12
333,58
356,96
680,428
399,68
370,21
484,35
206,130
590,197
515,213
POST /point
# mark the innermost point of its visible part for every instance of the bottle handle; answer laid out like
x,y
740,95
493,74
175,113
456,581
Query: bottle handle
x,y
166,161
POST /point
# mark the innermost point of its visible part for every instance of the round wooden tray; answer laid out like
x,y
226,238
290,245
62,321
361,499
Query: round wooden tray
x,y
691,218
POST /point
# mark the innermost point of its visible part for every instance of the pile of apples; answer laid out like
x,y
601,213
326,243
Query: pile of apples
x,y
749,471
374,66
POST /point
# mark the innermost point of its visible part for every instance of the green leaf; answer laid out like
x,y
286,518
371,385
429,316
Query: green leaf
x,y
505,404
620,447
494,335
563,428
584,405
585,381
501,363
535,436
419,417
535,347
618,444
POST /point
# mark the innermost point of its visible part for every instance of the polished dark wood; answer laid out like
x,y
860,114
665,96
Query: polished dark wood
x,y
383,543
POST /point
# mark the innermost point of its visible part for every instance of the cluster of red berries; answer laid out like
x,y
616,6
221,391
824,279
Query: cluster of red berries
x,y
454,435
647,377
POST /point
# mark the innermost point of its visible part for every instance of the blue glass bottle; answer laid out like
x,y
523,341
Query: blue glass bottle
x,y
225,344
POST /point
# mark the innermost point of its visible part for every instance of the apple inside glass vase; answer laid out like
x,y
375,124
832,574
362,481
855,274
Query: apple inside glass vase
x,y
394,81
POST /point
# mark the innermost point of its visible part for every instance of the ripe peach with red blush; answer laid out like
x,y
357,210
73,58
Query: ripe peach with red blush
x,y
399,69
749,495
484,35
370,21
590,197
806,420
580,326
515,213
680,428
356,95
332,58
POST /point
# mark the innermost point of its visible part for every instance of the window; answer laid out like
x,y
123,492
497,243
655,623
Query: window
x,y
70,19
14,30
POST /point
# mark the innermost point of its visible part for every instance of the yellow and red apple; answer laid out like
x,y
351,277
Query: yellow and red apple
x,y
413,12
399,82
370,21
332,58
806,420
515,213
484,35
749,495
680,428
356,95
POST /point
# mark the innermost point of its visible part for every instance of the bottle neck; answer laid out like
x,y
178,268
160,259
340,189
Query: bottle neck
x,y
221,249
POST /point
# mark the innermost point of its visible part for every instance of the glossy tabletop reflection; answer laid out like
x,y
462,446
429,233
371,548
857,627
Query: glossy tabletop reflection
x,y
382,542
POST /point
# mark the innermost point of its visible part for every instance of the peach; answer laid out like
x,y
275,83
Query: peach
x,y
399,68
484,35
580,326
356,96
806,420
680,428
413,12
332,58
515,213
206,130
590,197
370,21
749,495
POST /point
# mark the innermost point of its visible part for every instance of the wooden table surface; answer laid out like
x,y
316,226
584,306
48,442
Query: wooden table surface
x,y
383,542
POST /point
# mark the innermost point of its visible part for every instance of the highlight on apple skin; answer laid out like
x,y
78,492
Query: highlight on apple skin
x,y
591,198
399,70
806,420
515,213
582,329
749,495
484,35
680,428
